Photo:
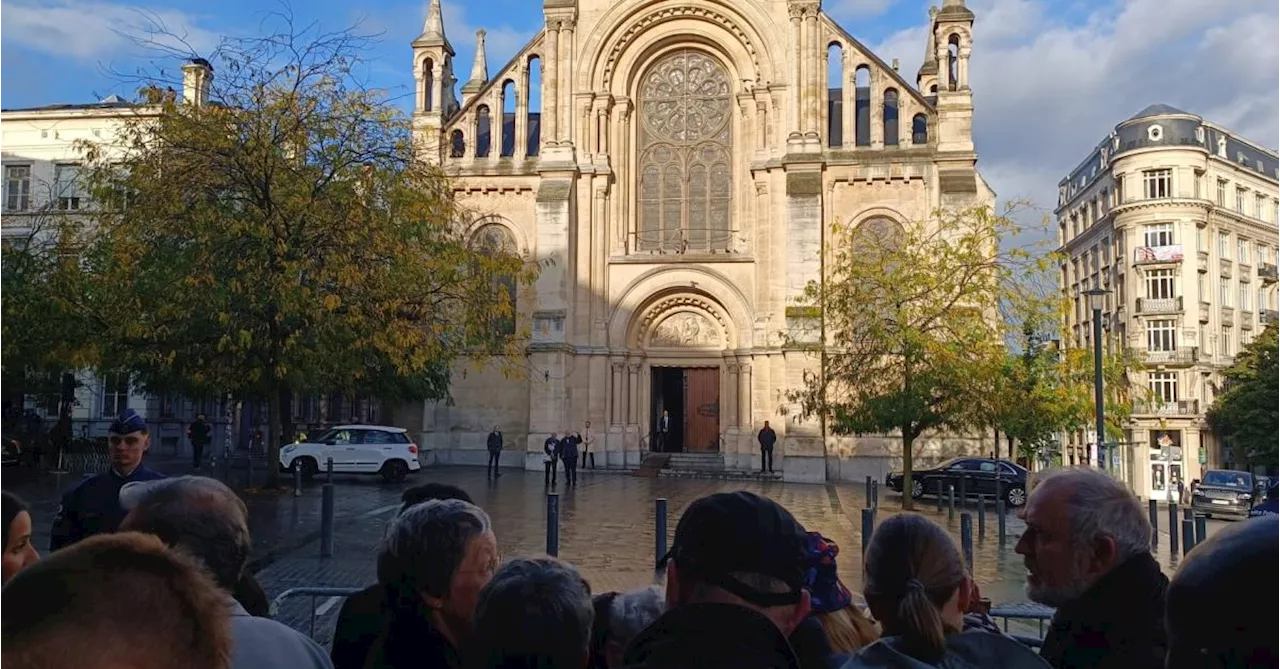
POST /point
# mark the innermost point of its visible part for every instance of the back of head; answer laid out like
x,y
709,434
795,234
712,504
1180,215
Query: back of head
x,y
912,569
429,491
1210,619
10,507
534,614
198,514
424,546
632,611
117,600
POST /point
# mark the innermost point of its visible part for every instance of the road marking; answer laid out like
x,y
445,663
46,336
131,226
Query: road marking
x,y
378,511
326,606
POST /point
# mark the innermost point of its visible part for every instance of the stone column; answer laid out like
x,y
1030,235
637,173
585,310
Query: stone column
x,y
814,79
624,185
797,71
437,85
962,69
943,56
905,114
633,393
497,124
617,393
849,101
566,90
877,110
729,419
521,149
744,397
550,83
762,119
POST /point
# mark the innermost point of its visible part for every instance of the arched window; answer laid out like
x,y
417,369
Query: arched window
x,y
685,144
508,147
484,131
862,105
919,129
953,62
428,83
457,145
835,94
891,117
494,239
533,88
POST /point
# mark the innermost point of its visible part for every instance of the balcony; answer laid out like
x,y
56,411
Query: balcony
x,y
1155,255
1246,320
1204,312
1228,316
1174,408
684,241
1267,272
1166,305
1202,261
1268,317
1184,355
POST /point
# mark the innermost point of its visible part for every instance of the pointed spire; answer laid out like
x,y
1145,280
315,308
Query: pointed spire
x,y
433,27
479,68
930,64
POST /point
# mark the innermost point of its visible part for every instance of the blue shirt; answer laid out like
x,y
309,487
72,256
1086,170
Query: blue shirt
x,y
92,506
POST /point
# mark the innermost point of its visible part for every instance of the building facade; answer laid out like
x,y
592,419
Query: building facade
x,y
1177,218
676,170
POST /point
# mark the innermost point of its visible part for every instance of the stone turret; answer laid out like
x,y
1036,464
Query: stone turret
x,y
479,70
434,100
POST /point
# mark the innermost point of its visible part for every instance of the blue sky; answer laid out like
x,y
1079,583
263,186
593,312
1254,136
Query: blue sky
x,y
1050,77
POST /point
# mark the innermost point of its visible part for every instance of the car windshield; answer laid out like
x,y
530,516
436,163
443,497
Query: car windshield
x,y
1228,479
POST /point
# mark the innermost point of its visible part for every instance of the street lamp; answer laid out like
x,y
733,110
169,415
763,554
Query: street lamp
x,y
1096,298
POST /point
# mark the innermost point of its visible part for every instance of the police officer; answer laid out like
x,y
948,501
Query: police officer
x,y
92,506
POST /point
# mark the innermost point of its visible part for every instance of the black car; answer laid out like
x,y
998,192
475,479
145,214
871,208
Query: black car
x,y
980,476
1226,493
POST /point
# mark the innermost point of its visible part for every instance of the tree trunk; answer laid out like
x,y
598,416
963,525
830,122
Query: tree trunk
x,y
1009,440
288,430
273,439
908,504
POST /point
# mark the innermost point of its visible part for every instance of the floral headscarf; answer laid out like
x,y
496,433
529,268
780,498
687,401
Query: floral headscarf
x,y
826,592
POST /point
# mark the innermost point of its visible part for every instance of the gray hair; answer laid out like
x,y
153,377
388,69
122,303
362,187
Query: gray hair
x,y
1099,505
200,515
424,545
633,611
534,613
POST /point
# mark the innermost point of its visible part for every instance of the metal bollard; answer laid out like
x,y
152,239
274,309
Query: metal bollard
x,y
297,480
875,494
659,530
867,496
326,520
1201,528
249,476
1000,528
1173,529
951,502
1188,535
226,464
328,468
1188,514
553,524
940,495
964,488
868,527
966,539
982,518
1155,522
999,488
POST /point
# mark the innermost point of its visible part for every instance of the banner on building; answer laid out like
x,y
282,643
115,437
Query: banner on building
x,y
1171,253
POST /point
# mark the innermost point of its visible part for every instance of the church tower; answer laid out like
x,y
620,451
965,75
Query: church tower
x,y
952,39
434,101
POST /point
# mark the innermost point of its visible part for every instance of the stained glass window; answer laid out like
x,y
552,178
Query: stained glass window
x,y
685,142
495,240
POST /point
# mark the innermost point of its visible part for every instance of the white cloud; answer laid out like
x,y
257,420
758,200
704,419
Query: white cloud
x,y
88,31
858,8
501,41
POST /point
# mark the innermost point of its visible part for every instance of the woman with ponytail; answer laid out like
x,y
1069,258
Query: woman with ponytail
x,y
918,590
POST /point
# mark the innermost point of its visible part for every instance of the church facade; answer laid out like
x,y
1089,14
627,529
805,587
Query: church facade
x,y
676,169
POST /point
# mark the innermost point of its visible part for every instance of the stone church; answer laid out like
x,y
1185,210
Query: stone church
x,y
676,168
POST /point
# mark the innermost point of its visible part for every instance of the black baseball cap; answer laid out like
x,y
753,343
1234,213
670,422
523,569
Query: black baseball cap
x,y
741,532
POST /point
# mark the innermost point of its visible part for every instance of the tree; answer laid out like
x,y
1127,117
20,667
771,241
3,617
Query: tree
x,y
1245,410
912,326
285,237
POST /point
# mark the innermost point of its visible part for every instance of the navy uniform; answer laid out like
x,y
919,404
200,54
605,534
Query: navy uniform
x,y
92,506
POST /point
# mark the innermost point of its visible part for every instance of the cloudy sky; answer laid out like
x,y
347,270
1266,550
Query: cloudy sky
x,y
1050,77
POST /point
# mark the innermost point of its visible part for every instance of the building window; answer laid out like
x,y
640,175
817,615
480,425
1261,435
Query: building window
x,y
66,183
685,140
1224,245
495,240
1157,183
1105,203
1160,284
1222,192
17,187
1260,206
1201,233
1201,291
1242,250
1158,234
1198,184
1240,195
1262,299
1224,291
1224,342
1244,297
1164,386
115,395
1161,335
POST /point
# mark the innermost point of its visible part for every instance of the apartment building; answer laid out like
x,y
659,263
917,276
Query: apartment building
x,y
1177,218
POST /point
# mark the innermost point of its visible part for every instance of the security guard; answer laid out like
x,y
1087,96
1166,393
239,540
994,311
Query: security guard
x,y
92,506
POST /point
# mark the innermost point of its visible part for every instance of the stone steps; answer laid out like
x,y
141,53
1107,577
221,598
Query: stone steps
x,y
695,461
723,475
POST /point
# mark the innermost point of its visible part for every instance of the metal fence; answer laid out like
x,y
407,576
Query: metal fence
x,y
313,593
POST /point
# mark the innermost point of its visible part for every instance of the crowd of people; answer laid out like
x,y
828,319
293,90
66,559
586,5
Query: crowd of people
x,y
744,585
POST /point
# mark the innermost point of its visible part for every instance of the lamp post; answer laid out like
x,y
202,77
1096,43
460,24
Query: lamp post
x,y
1096,297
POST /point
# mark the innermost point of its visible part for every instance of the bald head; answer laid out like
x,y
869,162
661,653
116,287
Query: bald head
x,y
200,515
1208,613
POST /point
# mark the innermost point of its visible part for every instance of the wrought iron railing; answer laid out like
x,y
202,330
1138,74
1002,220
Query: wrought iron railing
x,y
684,240
1266,271
1174,408
1162,305
1183,355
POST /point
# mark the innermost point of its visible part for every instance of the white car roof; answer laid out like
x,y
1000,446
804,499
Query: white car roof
x,y
384,428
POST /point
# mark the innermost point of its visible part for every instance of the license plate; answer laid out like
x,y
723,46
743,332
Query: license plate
x,y
1221,501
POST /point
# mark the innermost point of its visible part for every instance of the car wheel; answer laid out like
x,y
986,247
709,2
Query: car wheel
x,y
917,489
308,465
395,471
1016,496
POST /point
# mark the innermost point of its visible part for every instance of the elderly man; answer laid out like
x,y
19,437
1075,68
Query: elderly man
x,y
205,519
735,588
112,601
92,506
435,558
534,614
620,616
1087,552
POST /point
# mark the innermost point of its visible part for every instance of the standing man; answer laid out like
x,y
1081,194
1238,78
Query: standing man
x,y
767,439
92,506
664,430
588,441
569,456
199,433
495,450
552,448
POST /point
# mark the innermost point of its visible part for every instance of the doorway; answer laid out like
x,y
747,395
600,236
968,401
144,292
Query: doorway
x,y
691,398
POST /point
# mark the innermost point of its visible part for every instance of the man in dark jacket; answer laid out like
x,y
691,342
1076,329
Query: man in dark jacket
x,y
199,434
92,506
495,451
569,456
735,589
552,448
767,439
1087,553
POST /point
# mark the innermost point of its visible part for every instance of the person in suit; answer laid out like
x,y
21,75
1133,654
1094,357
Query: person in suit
x,y
569,456
495,450
664,430
552,448
767,439
588,443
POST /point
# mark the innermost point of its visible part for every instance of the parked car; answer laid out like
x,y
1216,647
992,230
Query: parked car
x,y
981,475
1269,506
355,449
12,449
1225,492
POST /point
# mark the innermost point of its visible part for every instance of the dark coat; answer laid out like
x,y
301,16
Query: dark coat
x,y
360,621
495,441
199,432
551,447
1116,624
767,438
568,448
813,649
410,641
711,636
92,506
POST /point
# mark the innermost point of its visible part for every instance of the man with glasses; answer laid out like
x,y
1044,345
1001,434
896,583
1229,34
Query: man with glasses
x,y
92,506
